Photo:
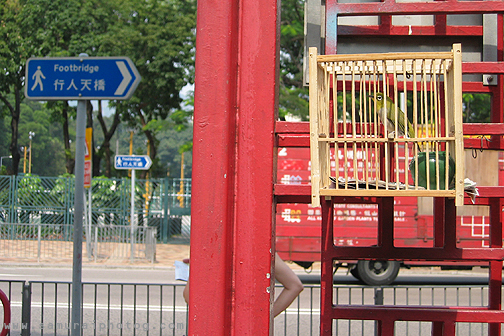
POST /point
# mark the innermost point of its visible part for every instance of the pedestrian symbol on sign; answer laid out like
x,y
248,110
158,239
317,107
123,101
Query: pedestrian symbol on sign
x,y
37,76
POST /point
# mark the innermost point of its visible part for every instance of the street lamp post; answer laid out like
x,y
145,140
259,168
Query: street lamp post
x,y
3,157
24,158
30,136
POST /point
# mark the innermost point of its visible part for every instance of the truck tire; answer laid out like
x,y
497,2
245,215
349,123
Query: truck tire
x,y
377,272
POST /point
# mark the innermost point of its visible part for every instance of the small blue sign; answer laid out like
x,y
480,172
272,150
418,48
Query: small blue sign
x,y
140,162
80,78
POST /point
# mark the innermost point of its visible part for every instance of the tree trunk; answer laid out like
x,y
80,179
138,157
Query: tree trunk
x,y
15,112
95,155
107,136
69,158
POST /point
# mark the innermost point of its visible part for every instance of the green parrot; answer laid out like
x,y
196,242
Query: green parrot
x,y
387,116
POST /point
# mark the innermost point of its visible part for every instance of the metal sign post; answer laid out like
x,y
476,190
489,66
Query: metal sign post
x,y
78,219
133,162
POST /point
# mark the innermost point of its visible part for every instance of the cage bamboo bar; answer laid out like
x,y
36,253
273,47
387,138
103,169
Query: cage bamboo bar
x,y
356,147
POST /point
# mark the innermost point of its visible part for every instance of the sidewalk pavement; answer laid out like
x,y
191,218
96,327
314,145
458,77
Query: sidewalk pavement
x,y
166,254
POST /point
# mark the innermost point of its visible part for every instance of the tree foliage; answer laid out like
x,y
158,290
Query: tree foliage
x,y
13,54
46,146
293,95
158,35
476,107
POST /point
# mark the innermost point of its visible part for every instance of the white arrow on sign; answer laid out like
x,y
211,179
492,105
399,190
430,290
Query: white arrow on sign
x,y
126,78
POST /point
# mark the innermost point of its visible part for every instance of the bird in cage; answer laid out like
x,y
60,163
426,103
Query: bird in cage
x,y
386,113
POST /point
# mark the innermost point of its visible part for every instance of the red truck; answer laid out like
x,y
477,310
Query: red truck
x,y
298,226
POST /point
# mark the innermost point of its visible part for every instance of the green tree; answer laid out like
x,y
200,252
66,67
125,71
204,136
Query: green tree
x,y
293,95
476,107
4,130
159,37
48,156
105,150
65,28
13,54
47,148
171,146
62,113
44,28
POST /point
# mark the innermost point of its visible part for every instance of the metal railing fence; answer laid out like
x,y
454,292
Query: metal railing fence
x,y
49,200
51,242
43,308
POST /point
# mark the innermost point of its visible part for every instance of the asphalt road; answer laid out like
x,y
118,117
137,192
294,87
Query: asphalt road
x,y
167,276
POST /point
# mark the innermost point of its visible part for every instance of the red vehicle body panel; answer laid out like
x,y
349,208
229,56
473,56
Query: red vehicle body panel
x,y
298,226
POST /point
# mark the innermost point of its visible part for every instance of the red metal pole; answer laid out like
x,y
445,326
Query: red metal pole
x,y
386,327
443,328
7,313
495,281
450,214
212,220
232,214
254,212
439,221
497,102
386,223
326,276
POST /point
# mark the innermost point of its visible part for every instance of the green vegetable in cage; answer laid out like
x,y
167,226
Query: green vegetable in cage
x,y
440,160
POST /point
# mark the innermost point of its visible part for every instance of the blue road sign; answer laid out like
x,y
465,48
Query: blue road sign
x,y
80,78
140,162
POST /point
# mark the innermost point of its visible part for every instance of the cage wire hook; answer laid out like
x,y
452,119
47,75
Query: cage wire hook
x,y
474,152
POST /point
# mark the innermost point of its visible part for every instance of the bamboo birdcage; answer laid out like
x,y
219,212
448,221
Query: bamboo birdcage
x,y
354,154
